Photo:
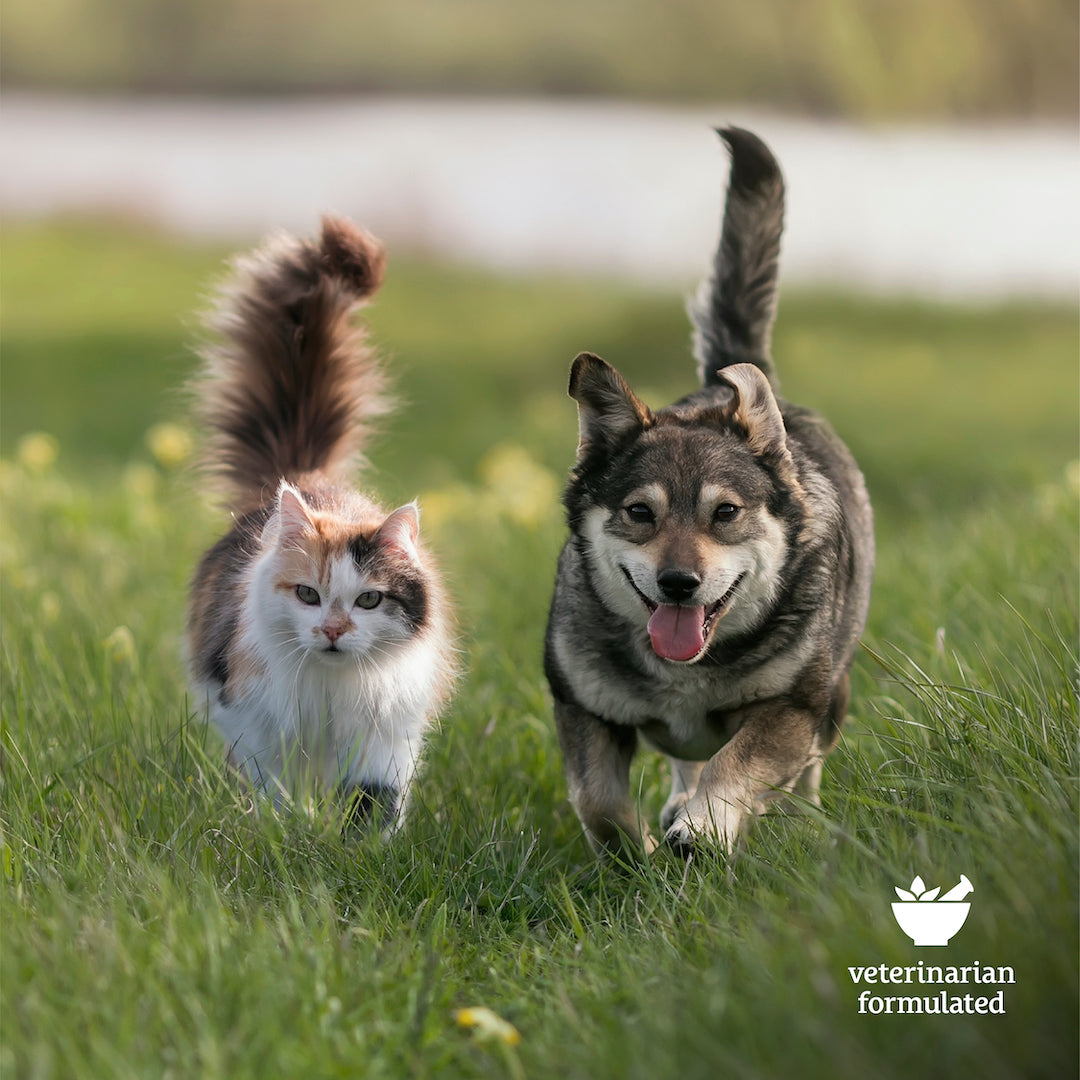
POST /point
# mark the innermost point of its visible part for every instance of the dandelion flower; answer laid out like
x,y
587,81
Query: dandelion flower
x,y
525,490
37,451
170,444
120,647
486,1024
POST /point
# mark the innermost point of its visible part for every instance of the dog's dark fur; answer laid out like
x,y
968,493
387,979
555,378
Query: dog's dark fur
x,y
717,576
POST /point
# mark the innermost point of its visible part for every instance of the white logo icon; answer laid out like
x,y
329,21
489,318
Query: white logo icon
x,y
928,919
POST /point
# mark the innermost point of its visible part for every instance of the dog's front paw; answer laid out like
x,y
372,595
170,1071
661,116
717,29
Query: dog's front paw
x,y
680,839
713,827
671,810
611,843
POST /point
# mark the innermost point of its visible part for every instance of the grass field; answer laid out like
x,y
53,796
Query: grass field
x,y
154,926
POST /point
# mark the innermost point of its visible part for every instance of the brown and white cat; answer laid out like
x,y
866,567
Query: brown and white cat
x,y
319,634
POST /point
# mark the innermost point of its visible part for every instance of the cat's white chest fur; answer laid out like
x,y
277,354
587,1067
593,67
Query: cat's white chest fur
x,y
331,720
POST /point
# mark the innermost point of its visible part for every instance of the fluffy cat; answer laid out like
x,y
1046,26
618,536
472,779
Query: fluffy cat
x,y
319,634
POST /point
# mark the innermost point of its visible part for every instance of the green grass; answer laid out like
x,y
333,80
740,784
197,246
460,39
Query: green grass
x,y
155,925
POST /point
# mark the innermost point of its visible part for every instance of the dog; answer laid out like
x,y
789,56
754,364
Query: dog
x,y
716,579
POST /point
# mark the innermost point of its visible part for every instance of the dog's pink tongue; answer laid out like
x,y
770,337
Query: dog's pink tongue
x,y
677,633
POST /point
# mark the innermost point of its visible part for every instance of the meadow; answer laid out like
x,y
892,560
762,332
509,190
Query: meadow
x,y
157,924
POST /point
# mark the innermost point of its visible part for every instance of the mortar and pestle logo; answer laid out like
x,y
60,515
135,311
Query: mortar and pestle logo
x,y
927,919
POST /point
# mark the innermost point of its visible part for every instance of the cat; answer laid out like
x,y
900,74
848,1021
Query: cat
x,y
319,634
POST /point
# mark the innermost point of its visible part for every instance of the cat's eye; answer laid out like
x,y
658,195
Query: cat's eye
x,y
370,599
307,594
639,514
725,512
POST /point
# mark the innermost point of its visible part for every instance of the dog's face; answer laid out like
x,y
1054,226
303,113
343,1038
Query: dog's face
x,y
688,513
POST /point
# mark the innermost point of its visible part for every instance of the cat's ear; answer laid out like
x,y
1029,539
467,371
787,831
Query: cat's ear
x,y
400,530
294,515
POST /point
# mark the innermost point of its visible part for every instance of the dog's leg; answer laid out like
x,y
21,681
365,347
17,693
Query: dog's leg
x,y
597,757
684,781
773,747
809,783
805,792
807,787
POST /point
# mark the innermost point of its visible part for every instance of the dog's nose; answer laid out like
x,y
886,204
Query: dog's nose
x,y
677,585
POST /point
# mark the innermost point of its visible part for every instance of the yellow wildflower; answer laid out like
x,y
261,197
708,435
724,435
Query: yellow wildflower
x,y
120,647
170,444
525,490
37,451
486,1024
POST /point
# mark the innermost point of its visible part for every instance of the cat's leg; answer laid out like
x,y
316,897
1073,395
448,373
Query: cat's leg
x,y
370,804
252,753
378,784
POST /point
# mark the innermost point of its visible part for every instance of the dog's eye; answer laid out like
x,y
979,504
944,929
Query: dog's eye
x,y
725,512
307,594
639,514
370,599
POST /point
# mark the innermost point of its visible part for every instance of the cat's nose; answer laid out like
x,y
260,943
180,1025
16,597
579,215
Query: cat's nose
x,y
333,633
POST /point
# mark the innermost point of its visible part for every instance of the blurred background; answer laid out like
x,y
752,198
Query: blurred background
x,y
944,60
930,145
546,179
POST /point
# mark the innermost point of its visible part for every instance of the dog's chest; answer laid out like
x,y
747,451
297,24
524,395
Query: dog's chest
x,y
686,711
690,735
695,711
682,704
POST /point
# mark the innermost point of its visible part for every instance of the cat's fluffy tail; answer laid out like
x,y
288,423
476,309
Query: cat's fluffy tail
x,y
290,387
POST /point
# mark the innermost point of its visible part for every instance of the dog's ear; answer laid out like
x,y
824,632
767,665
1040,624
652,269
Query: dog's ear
x,y
754,408
608,410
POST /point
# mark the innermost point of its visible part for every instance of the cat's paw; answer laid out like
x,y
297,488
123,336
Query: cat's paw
x,y
374,806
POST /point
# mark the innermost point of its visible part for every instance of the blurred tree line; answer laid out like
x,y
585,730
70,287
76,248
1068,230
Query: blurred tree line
x,y
866,59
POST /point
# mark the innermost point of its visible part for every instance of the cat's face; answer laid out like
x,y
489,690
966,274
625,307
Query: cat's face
x,y
337,590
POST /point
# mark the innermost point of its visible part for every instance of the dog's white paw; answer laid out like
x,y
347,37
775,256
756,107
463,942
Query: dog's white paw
x,y
715,826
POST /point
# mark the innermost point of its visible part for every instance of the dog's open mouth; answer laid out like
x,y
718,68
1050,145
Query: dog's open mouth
x,y
681,632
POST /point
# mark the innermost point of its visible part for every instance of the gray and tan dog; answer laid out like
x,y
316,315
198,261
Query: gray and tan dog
x,y
716,580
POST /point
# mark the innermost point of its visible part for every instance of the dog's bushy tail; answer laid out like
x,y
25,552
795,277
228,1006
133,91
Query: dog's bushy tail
x,y
290,385
733,311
